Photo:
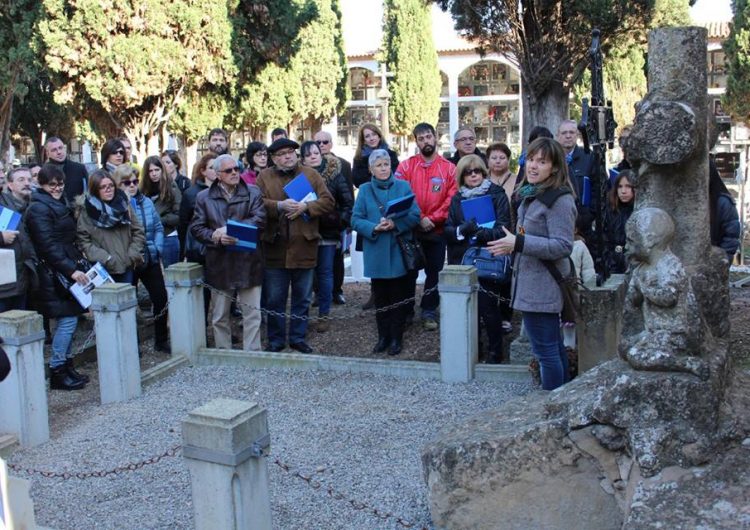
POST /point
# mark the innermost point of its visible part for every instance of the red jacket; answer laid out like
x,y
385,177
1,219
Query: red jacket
x,y
433,184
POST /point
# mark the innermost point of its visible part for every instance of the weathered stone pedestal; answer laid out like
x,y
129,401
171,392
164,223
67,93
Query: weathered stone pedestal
x,y
223,445
459,341
23,394
187,329
116,342
7,266
600,328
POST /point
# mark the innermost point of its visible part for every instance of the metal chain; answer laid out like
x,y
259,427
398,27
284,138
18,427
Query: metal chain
x,y
493,295
87,342
154,318
339,496
82,475
313,318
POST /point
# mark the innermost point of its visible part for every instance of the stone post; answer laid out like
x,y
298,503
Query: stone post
x,y
458,323
357,261
116,342
600,327
187,320
223,444
23,394
7,266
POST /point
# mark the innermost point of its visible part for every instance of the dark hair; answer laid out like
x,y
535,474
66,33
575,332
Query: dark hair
x,y
498,147
540,132
33,165
49,173
551,150
165,182
200,166
716,188
51,139
279,131
614,200
422,128
254,148
304,149
218,131
361,137
109,148
96,178
174,157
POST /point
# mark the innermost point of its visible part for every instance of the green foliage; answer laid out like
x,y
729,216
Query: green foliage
x,y
410,54
198,113
736,101
312,85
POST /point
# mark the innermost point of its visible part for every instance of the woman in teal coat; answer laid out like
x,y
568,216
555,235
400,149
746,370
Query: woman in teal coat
x,y
384,264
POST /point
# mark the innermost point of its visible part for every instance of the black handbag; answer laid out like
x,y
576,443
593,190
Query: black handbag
x,y
569,289
496,269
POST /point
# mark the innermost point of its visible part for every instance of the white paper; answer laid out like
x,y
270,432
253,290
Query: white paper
x,y
97,275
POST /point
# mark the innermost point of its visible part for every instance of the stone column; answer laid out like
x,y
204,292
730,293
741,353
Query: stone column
x,y
458,323
187,321
357,261
116,342
600,327
23,394
223,444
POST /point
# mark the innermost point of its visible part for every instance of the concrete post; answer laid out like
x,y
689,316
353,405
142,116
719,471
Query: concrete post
x,y
458,323
223,444
600,327
116,342
23,394
187,321
16,506
7,266
357,260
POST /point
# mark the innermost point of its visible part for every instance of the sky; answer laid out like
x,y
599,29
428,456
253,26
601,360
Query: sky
x,y
711,10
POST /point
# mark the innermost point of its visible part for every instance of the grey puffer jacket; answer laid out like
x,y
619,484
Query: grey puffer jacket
x,y
545,232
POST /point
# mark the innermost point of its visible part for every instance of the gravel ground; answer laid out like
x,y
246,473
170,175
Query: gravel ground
x,y
359,434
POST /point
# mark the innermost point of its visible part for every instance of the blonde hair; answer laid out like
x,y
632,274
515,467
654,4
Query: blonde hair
x,y
123,171
469,162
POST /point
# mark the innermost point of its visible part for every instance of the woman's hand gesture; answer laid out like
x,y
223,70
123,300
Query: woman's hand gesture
x,y
502,246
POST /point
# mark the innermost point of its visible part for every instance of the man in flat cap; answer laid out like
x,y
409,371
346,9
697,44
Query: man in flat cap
x,y
290,243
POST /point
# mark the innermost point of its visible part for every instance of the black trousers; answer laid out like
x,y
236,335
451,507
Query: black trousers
x,y
434,253
338,272
491,316
387,292
153,280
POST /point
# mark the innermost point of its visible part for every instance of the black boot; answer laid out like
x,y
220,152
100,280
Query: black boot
x,y
382,344
60,379
384,335
395,347
75,374
498,355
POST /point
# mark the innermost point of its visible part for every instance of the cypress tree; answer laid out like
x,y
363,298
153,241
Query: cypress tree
x,y
736,101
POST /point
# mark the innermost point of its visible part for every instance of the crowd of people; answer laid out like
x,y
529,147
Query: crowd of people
x,y
408,215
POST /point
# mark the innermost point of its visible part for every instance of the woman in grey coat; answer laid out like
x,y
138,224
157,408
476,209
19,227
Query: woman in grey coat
x,y
544,232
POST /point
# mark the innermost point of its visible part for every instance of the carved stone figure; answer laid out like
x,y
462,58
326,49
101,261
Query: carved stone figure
x,y
672,326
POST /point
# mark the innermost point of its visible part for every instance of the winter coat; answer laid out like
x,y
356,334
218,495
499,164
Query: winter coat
x,y
361,168
382,254
22,248
249,177
456,247
52,227
583,262
76,179
116,248
456,156
728,223
583,165
544,232
226,269
433,184
169,212
617,262
183,183
145,213
292,244
189,246
333,223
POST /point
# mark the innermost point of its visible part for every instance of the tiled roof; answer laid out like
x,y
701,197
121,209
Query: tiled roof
x,y
718,30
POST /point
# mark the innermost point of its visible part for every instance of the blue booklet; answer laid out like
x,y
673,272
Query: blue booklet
x,y
481,209
9,219
586,192
396,206
300,189
246,235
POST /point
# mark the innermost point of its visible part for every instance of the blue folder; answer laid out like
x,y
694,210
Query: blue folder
x,y
9,219
246,235
396,206
481,209
586,192
300,189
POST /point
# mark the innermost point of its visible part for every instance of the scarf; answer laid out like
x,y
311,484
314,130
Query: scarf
x,y
529,190
367,150
108,214
482,189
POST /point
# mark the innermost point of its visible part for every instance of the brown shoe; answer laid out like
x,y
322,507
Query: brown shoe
x,y
323,326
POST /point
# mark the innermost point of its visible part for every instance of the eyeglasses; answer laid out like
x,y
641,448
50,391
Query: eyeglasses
x,y
56,185
466,139
263,154
119,152
133,182
230,170
473,171
106,187
322,142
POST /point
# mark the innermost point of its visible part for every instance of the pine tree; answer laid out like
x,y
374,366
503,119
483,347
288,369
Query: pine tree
x,y
736,100
410,54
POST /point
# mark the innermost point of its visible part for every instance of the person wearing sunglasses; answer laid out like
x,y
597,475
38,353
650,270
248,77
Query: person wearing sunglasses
x,y
112,154
461,233
52,227
166,196
227,269
149,273
108,231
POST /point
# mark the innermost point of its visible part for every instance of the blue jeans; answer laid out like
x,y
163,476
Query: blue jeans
x,y
61,341
124,277
276,284
324,273
170,253
547,344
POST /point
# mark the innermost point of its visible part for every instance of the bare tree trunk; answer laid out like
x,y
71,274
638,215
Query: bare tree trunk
x,y
191,155
6,114
546,110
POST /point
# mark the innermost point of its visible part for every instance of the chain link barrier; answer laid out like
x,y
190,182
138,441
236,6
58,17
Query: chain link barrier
x,y
271,312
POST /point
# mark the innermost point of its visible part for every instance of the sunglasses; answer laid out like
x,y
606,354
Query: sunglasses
x,y
133,182
473,171
230,170
323,142
119,152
